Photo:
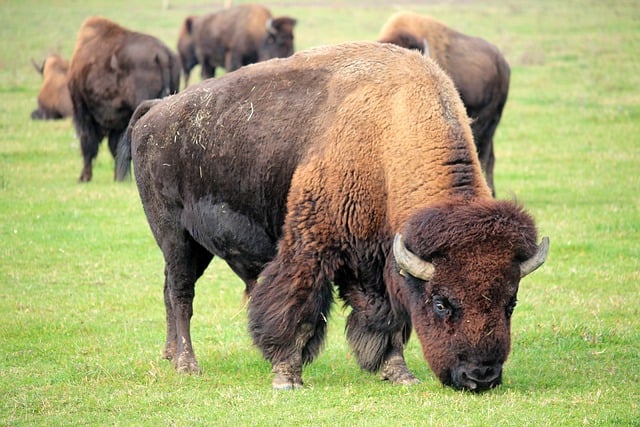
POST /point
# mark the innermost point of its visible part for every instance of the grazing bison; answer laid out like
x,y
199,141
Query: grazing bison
x,y
54,101
477,68
232,38
112,71
303,172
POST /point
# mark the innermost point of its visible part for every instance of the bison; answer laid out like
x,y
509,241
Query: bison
x,y
477,68
351,165
233,37
113,70
54,101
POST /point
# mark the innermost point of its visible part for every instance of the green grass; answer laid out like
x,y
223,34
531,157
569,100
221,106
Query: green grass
x,y
81,311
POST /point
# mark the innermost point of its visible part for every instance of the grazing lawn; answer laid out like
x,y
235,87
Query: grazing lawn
x,y
81,309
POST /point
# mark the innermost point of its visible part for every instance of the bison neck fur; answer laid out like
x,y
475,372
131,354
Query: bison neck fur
x,y
299,172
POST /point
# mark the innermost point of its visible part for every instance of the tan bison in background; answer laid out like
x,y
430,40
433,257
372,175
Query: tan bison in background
x,y
350,166
232,38
54,101
477,68
113,70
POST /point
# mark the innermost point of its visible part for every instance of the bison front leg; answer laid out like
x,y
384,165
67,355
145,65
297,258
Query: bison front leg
x,y
394,368
377,337
288,309
288,373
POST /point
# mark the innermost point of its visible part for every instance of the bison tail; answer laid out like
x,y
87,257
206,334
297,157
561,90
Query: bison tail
x,y
123,155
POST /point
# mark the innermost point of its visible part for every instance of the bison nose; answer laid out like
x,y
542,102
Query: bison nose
x,y
477,377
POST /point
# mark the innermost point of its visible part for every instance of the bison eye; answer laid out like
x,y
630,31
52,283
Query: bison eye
x,y
511,306
441,307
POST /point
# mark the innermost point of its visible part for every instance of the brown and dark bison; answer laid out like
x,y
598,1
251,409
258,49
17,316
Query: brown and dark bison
x,y
351,165
54,101
112,71
232,38
477,68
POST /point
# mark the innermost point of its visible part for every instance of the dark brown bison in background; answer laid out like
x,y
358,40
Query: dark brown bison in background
x,y
112,71
477,68
54,101
232,38
300,172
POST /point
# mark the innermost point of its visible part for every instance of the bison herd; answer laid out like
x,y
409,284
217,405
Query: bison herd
x,y
365,167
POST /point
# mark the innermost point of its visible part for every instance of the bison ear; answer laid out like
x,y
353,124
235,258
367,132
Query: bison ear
x,y
410,262
188,24
537,259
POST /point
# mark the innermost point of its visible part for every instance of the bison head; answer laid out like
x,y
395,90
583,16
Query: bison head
x,y
54,101
461,266
278,41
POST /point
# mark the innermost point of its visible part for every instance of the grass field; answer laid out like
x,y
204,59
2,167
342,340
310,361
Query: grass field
x,y
81,311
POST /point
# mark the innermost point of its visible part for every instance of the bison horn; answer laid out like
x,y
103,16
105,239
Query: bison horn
x,y
427,51
269,26
537,259
410,262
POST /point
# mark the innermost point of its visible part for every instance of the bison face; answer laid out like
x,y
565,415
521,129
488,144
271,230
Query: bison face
x,y
278,41
459,278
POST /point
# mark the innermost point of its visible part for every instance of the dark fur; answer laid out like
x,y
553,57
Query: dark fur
x,y
232,38
477,68
111,72
54,101
298,172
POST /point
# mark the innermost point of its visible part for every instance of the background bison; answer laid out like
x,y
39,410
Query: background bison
x,y
302,172
232,38
477,68
54,101
112,71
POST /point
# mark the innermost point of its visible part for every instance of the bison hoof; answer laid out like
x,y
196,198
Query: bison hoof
x,y
282,382
396,371
187,364
287,377
401,379
169,351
